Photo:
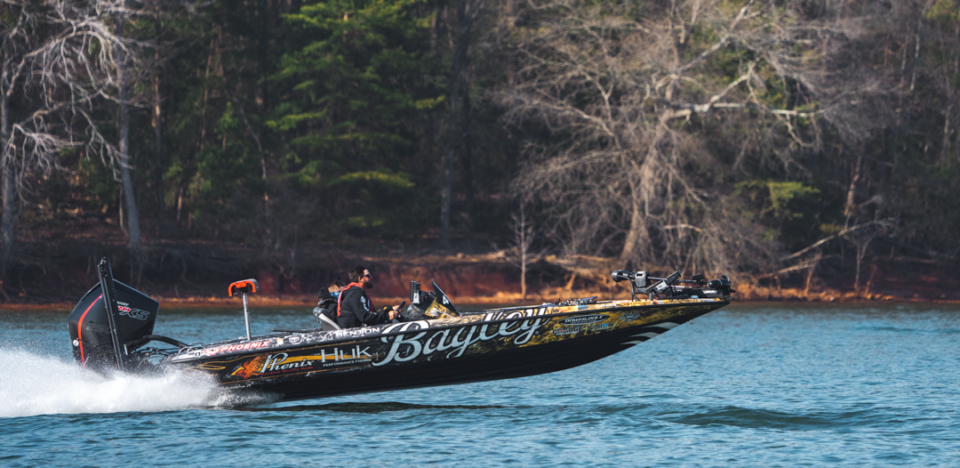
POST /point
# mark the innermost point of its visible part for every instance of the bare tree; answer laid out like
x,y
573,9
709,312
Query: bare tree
x,y
467,13
126,178
524,236
58,60
936,27
642,105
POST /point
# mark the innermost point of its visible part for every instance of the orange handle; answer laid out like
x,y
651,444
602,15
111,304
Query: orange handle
x,y
246,286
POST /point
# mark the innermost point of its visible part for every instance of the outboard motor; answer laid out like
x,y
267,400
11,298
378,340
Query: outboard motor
x,y
110,322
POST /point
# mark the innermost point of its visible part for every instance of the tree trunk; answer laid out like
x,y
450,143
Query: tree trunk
x,y
861,253
523,275
947,131
206,94
263,171
9,187
523,243
9,214
158,150
455,124
157,132
133,219
849,209
446,194
466,157
634,234
511,51
810,273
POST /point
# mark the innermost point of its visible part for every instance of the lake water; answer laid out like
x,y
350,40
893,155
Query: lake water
x,y
749,385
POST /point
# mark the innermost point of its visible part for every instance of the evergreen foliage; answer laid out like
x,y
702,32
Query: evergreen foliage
x,y
728,135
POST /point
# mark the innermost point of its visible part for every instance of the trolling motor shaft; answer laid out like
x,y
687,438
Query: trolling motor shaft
x,y
244,287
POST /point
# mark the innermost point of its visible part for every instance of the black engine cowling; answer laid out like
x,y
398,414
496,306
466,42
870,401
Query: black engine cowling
x,y
90,326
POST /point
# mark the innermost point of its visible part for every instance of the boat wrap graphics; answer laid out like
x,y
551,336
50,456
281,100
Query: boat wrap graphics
x,y
318,353
435,345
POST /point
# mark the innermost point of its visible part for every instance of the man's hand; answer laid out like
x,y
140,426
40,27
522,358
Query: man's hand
x,y
395,313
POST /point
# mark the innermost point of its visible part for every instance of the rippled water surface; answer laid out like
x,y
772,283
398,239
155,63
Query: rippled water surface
x,y
772,385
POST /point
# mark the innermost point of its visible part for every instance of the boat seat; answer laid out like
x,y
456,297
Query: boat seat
x,y
325,322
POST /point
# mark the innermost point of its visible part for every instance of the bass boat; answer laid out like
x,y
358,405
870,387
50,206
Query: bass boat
x,y
433,345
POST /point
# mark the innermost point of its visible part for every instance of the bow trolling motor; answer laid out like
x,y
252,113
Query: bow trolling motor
x,y
642,284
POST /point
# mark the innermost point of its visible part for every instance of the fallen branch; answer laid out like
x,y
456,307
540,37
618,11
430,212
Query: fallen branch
x,y
831,237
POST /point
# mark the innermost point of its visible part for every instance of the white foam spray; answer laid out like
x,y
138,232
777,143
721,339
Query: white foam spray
x,y
32,384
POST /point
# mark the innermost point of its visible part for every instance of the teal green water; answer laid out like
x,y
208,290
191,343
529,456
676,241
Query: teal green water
x,y
773,385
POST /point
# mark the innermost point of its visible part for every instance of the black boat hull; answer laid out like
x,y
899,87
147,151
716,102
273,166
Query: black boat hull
x,y
499,344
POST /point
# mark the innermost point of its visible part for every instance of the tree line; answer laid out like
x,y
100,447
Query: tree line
x,y
774,137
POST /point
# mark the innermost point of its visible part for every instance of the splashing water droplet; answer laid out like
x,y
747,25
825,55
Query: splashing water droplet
x,y
34,384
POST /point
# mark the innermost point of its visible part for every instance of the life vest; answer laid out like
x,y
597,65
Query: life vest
x,y
344,290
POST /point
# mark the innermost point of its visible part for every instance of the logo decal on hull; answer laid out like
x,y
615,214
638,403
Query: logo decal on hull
x,y
580,328
236,347
583,319
283,363
454,342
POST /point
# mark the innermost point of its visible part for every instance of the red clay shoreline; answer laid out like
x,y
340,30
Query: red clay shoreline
x,y
746,295
198,279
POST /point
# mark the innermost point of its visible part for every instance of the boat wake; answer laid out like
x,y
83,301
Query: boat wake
x,y
760,418
35,384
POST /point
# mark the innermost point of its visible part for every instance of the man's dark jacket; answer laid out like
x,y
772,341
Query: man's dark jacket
x,y
356,310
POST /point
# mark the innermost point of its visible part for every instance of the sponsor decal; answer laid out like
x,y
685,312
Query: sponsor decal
x,y
631,316
236,347
251,367
453,343
579,328
351,333
282,363
134,313
583,319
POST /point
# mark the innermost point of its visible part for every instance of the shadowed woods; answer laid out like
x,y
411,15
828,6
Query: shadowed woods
x,y
199,275
807,148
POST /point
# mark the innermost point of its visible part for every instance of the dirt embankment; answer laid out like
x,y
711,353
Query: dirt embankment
x,y
44,276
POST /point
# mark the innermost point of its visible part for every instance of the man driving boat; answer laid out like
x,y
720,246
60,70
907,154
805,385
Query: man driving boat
x,y
354,308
